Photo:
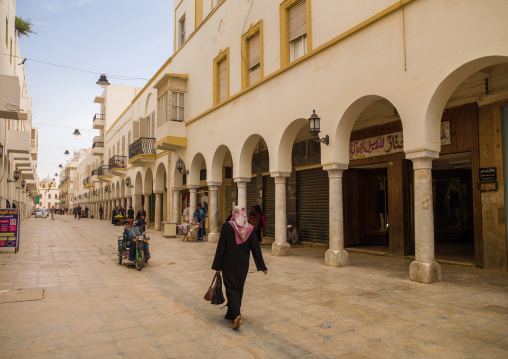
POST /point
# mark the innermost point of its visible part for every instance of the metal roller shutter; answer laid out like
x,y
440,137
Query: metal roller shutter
x,y
251,194
269,205
312,204
297,20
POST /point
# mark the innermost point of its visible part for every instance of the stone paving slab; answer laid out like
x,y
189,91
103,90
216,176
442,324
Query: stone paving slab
x,y
94,308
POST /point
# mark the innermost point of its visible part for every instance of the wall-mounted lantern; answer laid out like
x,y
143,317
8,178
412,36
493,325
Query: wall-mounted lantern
x,y
179,166
315,128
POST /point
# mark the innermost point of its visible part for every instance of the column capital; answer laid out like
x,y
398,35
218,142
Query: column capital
x,y
242,179
158,192
214,186
280,174
423,159
192,188
177,189
335,170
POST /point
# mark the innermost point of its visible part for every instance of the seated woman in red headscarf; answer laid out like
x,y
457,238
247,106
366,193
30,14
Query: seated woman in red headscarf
x,y
237,239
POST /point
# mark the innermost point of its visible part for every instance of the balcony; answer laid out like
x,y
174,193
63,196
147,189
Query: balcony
x,y
34,149
87,183
98,121
98,146
103,173
142,151
117,165
17,142
95,175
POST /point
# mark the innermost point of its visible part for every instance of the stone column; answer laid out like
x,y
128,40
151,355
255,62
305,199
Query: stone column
x,y
424,269
193,201
129,202
336,256
176,205
280,247
136,203
241,184
158,209
213,211
147,210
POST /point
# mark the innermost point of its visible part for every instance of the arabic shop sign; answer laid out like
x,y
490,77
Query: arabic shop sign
x,y
376,146
9,227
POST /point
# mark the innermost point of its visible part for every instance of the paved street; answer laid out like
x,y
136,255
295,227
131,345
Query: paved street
x,y
94,308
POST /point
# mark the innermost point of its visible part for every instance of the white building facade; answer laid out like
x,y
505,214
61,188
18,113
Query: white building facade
x,y
18,138
410,158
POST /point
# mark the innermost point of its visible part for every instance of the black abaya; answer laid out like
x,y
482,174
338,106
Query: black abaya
x,y
233,260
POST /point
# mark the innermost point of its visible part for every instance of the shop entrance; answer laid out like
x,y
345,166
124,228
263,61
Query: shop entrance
x,y
367,207
453,207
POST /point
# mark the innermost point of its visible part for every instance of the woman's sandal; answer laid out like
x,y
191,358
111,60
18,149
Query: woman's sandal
x,y
237,322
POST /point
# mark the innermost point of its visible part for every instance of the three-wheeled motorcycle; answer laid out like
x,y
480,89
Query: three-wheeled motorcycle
x,y
133,246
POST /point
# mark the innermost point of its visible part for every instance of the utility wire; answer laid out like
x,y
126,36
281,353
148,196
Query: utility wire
x,y
70,128
116,77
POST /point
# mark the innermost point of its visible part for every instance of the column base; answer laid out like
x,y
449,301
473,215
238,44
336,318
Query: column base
x,y
336,258
213,237
425,272
280,249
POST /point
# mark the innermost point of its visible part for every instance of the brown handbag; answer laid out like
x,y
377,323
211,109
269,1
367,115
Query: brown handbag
x,y
211,290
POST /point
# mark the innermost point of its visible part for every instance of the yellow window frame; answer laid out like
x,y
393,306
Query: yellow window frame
x,y
284,29
223,55
253,30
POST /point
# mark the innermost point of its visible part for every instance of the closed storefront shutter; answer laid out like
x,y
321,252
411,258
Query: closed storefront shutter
x,y
269,205
312,203
251,194
227,201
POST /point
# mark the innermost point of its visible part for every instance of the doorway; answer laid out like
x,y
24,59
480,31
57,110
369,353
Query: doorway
x,y
453,207
367,207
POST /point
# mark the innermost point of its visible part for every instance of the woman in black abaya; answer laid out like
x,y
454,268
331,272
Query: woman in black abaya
x,y
237,239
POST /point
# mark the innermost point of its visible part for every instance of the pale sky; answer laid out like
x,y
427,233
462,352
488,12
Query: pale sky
x,y
116,37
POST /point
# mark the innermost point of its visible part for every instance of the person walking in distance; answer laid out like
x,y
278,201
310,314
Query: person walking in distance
x,y
101,211
78,210
237,240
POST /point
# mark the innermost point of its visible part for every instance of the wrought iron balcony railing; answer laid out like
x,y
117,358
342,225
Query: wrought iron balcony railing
x,y
98,116
87,181
95,172
104,170
142,146
117,162
98,141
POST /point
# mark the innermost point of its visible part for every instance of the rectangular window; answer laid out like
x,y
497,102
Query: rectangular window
x,y
182,30
129,138
177,106
254,59
162,105
152,129
223,80
118,147
297,30
123,146
135,130
221,77
6,31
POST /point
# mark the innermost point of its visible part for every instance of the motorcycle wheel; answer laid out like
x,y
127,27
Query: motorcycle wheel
x,y
140,261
